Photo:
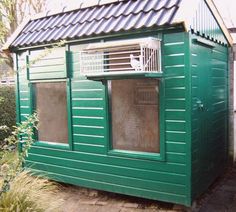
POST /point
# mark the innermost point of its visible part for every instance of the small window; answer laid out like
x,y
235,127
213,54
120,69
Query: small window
x,y
51,105
134,112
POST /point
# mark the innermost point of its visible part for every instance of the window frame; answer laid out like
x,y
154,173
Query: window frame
x,y
160,156
69,145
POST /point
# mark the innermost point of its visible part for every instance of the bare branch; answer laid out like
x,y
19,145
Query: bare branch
x,y
12,13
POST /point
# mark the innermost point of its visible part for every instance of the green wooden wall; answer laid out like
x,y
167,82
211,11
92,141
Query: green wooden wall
x,y
87,161
209,79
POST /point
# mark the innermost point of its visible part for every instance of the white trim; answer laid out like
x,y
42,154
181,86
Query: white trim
x,y
15,34
102,2
185,14
150,41
220,21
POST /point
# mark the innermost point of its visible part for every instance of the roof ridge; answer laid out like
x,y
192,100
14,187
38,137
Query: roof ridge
x,y
73,9
106,18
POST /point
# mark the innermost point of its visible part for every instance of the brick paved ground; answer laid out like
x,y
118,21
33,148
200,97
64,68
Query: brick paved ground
x,y
221,197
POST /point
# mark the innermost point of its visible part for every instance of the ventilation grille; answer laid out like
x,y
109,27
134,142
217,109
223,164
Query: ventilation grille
x,y
141,56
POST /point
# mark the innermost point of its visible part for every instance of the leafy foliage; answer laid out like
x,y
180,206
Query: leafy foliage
x,y
11,168
20,191
7,111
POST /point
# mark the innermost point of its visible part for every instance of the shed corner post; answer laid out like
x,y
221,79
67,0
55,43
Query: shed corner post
x,y
231,145
68,69
188,116
17,96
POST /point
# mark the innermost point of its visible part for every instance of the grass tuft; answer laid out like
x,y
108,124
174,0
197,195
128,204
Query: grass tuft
x,y
30,194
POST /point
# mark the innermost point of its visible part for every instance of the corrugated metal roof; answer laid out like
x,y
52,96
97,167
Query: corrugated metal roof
x,y
99,19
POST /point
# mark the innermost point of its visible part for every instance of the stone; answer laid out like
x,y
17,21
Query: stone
x,y
108,208
131,205
101,203
93,193
178,207
92,201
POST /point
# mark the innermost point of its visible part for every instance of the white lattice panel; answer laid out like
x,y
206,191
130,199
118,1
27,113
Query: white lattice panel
x,y
142,56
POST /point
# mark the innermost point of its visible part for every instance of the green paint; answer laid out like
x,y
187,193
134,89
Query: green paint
x,y
188,118
117,76
69,111
49,66
170,176
209,123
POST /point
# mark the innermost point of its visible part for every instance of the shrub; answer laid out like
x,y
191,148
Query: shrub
x,y
30,194
11,163
7,110
19,190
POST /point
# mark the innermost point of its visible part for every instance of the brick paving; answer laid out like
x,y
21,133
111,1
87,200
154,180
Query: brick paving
x,y
220,197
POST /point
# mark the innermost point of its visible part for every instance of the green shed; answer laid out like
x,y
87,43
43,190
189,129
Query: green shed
x,y
132,95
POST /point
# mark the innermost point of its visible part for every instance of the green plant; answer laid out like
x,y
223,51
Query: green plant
x,y
7,110
30,194
19,190
11,168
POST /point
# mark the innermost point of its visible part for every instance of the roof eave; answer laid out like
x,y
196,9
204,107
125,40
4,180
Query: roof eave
x,y
186,14
50,13
15,34
181,25
220,21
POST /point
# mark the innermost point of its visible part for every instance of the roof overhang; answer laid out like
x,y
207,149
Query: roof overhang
x,y
15,34
220,21
183,17
185,14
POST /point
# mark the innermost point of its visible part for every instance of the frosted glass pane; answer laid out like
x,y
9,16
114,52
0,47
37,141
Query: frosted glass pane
x,y
51,106
135,117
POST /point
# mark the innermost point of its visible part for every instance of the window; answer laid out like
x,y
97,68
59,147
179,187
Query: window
x,y
134,105
132,69
51,105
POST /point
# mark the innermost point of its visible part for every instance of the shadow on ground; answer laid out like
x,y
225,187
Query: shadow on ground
x,y
220,197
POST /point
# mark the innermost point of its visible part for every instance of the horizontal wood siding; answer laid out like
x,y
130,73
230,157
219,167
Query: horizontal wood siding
x,y
209,153
47,64
90,165
88,112
24,91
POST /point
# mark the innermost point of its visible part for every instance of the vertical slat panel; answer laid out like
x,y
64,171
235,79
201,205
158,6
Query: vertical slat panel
x,y
204,23
209,125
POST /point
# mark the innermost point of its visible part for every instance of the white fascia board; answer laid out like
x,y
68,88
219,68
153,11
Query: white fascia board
x,y
149,41
189,7
219,20
185,12
15,34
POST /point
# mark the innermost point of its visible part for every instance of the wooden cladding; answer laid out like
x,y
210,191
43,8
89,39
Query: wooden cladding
x,y
47,64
